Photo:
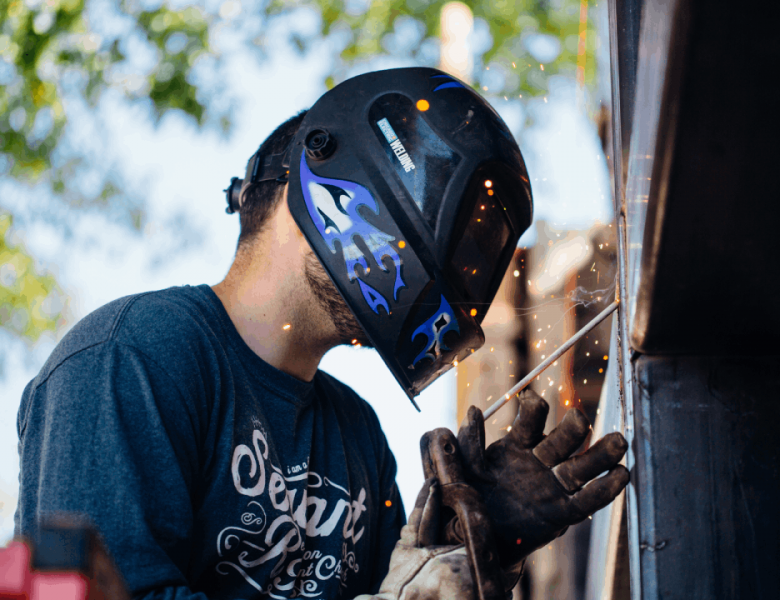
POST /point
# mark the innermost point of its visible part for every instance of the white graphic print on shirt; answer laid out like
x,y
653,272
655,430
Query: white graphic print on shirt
x,y
278,539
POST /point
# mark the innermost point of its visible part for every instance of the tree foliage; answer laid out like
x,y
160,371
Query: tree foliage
x,y
44,43
512,26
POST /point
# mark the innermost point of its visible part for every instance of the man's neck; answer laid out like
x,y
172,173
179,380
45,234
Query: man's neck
x,y
274,314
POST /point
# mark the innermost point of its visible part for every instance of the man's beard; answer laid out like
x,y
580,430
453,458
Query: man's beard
x,y
321,285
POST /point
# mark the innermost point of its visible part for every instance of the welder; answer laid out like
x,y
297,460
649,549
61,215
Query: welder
x,y
193,427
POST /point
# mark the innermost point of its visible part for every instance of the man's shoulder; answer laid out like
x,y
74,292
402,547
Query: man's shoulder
x,y
154,323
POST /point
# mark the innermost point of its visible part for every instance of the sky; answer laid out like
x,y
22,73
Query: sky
x,y
188,239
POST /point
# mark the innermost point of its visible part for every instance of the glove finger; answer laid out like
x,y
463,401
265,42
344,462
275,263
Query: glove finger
x,y
597,494
528,427
428,529
422,528
564,439
471,440
429,469
580,469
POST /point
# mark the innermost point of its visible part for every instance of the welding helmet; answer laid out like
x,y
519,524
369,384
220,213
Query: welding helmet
x,y
413,193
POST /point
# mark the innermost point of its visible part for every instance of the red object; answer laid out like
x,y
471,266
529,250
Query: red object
x,y
14,570
18,581
59,586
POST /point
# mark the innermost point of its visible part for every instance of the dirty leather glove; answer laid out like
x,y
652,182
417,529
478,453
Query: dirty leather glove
x,y
442,459
419,568
531,488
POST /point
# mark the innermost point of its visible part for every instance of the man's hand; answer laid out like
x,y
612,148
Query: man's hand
x,y
531,488
420,569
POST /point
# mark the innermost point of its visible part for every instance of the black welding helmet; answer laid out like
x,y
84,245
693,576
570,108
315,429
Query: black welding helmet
x,y
413,193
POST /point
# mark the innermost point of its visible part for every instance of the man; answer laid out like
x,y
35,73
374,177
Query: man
x,y
193,427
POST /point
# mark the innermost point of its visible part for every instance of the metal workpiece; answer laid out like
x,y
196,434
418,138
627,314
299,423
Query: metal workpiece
x,y
701,197
707,460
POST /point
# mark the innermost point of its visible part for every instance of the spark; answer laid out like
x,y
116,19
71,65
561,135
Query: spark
x,y
516,273
541,67
286,327
388,503
514,66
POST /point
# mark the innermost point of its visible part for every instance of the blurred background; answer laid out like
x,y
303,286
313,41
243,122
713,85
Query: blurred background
x,y
121,121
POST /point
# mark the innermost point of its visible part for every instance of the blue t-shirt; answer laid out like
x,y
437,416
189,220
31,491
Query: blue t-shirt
x,y
209,473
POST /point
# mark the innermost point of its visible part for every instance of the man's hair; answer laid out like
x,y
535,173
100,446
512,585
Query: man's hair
x,y
262,198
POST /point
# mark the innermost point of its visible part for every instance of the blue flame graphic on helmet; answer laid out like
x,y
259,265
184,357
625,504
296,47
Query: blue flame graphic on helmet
x,y
447,82
333,206
442,321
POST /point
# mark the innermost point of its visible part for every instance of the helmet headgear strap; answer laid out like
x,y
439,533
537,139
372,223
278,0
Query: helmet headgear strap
x,y
260,168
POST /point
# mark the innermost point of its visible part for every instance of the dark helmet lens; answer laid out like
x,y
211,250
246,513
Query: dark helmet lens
x,y
476,257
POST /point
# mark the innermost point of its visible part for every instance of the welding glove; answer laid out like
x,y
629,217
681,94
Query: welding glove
x,y
421,568
531,487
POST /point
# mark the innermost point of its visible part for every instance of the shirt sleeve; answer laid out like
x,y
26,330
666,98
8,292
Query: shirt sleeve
x,y
108,436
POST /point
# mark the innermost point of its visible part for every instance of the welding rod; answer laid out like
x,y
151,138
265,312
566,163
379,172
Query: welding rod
x,y
525,381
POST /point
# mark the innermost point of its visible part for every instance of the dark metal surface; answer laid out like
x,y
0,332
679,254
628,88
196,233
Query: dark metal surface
x,y
704,153
707,473
627,17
